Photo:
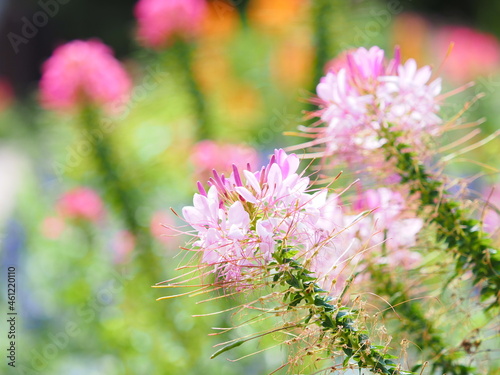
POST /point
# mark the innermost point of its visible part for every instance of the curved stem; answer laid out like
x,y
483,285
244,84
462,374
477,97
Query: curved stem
x,y
335,321
121,191
183,53
122,195
426,334
472,248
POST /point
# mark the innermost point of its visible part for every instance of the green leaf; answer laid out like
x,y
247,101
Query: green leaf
x,y
226,348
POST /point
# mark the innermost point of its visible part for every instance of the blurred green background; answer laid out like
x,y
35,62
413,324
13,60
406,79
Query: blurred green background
x,y
83,288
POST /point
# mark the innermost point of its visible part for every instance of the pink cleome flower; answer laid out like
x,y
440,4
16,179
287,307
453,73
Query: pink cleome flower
x,y
81,204
160,21
385,236
83,73
244,218
392,226
365,94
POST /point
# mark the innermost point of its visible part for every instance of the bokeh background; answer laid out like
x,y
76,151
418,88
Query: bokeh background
x,y
84,279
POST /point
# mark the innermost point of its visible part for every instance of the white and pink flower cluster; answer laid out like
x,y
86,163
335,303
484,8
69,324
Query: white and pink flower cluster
x,y
376,228
362,94
396,226
242,219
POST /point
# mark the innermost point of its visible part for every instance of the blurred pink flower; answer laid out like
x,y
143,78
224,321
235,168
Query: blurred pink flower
x,y
160,21
161,228
474,53
123,244
209,155
387,204
334,263
81,204
81,73
52,227
244,218
402,235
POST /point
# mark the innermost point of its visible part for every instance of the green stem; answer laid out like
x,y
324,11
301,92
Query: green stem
x,y
183,53
462,235
242,6
321,16
119,189
426,334
336,322
123,194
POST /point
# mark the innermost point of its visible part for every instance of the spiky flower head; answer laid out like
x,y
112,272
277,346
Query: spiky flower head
x,y
364,95
242,218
